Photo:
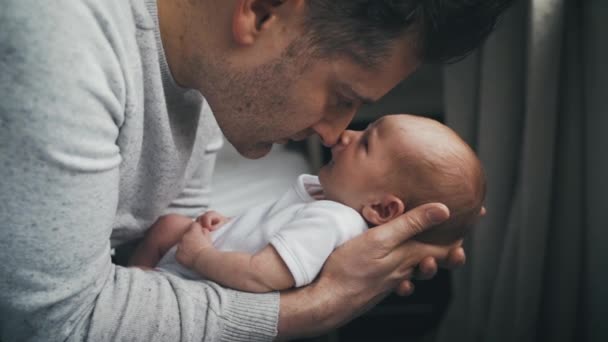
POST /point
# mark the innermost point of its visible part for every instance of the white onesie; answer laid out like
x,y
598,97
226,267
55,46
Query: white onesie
x,y
303,230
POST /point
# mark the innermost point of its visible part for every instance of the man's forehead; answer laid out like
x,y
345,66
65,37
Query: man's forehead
x,y
374,83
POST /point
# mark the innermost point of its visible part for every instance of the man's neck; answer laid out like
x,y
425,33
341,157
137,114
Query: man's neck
x,y
185,26
170,30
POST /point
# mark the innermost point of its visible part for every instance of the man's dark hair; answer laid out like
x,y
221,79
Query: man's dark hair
x,y
444,30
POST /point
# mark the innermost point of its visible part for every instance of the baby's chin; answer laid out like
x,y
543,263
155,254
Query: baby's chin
x,y
325,183
322,174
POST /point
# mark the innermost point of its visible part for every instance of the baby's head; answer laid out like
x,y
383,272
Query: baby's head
x,y
400,162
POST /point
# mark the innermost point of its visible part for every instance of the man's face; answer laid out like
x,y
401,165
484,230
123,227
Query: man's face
x,y
266,86
363,163
292,98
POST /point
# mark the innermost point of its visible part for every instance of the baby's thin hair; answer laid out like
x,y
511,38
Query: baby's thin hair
x,y
453,176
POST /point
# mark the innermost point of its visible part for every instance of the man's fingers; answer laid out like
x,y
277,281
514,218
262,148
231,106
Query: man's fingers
x,y
427,269
418,255
406,288
456,258
410,224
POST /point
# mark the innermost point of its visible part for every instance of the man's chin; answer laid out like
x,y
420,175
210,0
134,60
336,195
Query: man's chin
x,y
255,151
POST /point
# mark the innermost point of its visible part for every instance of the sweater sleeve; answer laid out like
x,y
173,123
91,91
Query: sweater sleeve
x,y
60,115
195,198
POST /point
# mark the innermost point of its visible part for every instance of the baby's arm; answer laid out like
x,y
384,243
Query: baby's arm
x,y
166,232
264,271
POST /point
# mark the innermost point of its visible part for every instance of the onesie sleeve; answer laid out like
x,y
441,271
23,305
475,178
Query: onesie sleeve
x,y
315,231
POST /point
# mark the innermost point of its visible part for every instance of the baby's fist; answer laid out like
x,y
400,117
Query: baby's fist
x,y
193,242
212,220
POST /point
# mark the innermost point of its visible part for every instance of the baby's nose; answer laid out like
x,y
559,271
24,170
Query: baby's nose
x,y
343,141
345,138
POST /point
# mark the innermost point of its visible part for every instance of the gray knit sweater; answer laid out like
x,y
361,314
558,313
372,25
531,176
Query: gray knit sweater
x,y
97,141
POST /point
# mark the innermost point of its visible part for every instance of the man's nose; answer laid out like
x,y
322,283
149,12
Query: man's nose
x,y
331,131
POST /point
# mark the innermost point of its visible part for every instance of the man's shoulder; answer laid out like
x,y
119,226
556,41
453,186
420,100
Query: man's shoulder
x,y
80,18
68,43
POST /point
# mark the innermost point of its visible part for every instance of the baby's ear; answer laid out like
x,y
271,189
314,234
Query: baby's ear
x,y
384,210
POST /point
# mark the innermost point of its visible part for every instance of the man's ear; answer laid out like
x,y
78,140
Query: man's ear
x,y
384,210
251,17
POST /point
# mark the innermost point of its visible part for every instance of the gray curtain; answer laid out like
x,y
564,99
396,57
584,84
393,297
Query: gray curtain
x,y
534,103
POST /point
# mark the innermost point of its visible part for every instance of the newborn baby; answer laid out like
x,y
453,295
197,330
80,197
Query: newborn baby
x,y
397,163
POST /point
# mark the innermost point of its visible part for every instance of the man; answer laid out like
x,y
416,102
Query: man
x,y
103,129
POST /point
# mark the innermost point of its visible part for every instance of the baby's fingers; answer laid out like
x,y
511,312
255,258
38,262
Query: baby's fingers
x,y
211,220
206,220
195,230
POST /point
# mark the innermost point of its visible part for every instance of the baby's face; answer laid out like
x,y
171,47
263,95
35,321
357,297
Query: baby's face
x,y
368,164
362,162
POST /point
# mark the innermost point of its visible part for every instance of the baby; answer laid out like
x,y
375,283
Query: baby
x,y
397,163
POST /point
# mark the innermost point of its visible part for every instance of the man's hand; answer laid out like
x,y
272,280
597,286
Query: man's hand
x,y
384,257
428,266
212,220
192,243
365,270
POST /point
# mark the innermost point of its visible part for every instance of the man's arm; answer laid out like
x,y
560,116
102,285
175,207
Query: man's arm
x,y
60,117
264,271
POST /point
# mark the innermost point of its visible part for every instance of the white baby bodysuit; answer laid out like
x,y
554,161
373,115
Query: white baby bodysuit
x,y
303,230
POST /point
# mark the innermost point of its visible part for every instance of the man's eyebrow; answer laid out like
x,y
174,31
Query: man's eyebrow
x,y
351,92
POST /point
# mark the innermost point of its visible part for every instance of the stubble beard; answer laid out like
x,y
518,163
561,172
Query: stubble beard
x,y
253,107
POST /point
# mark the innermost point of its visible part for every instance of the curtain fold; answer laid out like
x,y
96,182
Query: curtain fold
x,y
595,50
533,103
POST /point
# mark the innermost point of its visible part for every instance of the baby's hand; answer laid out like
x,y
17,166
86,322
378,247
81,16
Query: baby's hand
x,y
212,220
193,243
